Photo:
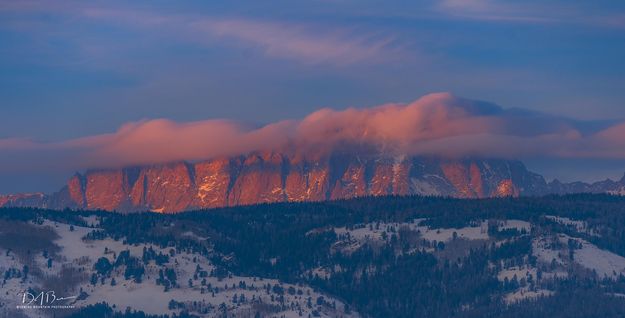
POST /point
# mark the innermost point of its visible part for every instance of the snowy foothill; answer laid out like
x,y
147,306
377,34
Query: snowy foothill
x,y
524,294
577,225
380,231
555,248
204,294
518,225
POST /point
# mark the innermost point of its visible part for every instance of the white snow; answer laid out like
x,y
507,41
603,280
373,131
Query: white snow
x,y
443,235
91,220
515,224
353,238
423,187
148,296
603,262
524,293
518,272
543,250
579,226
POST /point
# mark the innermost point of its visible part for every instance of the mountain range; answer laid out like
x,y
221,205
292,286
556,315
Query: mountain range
x,y
265,177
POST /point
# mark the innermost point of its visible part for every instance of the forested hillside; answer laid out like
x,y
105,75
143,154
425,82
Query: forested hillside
x,y
554,256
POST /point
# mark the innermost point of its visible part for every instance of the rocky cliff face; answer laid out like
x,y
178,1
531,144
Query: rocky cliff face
x,y
266,177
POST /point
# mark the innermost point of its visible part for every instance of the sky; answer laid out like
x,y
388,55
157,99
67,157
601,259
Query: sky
x,y
87,84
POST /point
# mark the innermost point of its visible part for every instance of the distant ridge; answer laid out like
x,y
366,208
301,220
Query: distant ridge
x,y
264,177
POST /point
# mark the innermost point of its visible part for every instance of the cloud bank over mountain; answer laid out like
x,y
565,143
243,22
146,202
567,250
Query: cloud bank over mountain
x,y
437,124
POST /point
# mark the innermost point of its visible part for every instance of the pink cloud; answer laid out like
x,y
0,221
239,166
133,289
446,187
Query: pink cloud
x,y
436,124
161,140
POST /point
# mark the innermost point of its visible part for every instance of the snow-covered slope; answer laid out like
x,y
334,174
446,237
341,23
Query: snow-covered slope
x,y
69,270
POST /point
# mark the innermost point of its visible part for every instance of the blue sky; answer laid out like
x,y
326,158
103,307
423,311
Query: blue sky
x,y
75,69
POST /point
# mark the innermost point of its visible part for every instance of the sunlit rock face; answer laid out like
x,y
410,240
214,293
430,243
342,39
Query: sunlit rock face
x,y
270,176
266,177
212,181
260,180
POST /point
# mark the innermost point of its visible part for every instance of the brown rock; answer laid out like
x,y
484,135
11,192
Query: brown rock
x,y
212,180
275,177
259,181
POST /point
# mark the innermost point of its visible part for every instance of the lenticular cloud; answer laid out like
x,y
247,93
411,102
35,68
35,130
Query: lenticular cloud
x,y
437,124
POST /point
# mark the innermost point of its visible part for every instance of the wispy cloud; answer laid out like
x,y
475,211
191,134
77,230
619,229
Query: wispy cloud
x,y
528,12
305,42
493,10
310,44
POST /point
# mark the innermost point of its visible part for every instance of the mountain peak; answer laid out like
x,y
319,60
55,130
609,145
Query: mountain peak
x,y
265,177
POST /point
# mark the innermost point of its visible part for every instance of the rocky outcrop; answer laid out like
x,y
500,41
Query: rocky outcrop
x,y
266,177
